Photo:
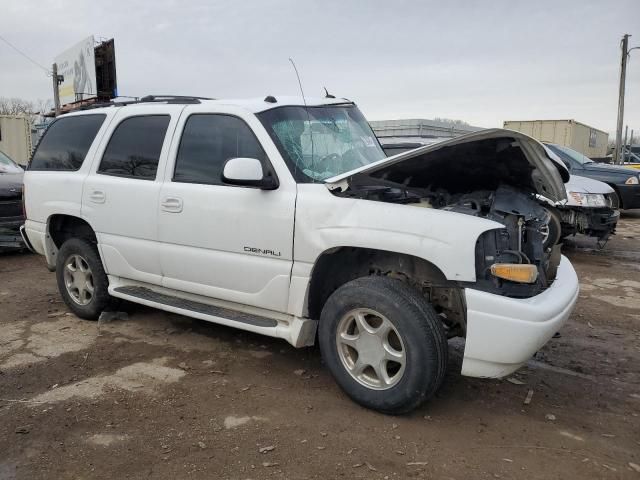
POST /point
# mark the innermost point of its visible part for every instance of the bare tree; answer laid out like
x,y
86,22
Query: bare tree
x,y
15,106
32,110
451,121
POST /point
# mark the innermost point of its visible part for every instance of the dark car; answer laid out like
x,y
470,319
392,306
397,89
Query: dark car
x,y
11,214
625,181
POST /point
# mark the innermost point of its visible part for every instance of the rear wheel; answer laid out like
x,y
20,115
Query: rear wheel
x,y
383,343
82,281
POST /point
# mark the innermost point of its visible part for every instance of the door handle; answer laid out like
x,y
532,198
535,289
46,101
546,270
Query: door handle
x,y
97,196
171,204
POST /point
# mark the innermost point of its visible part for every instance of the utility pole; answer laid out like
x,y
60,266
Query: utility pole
x,y
624,144
57,79
623,74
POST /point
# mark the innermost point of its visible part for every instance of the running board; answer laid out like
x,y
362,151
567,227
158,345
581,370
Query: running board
x,y
299,332
144,293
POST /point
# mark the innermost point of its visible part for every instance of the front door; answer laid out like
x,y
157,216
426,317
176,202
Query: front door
x,y
227,242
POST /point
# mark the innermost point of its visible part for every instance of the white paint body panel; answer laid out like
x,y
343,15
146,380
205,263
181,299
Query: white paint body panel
x,y
503,333
324,221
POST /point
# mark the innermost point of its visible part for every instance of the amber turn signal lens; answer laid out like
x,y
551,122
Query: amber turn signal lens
x,y
515,272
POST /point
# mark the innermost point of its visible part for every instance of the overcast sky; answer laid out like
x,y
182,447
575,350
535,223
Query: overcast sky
x,y
480,61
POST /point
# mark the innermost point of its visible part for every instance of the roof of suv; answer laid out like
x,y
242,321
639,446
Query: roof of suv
x,y
254,105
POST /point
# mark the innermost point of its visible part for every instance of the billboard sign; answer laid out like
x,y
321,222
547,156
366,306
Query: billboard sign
x,y
77,66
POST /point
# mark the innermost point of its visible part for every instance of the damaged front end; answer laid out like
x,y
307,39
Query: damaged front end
x,y
493,174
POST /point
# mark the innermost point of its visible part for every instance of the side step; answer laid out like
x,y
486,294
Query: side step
x,y
144,293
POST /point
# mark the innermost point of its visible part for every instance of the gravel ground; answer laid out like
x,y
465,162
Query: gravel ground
x,y
163,396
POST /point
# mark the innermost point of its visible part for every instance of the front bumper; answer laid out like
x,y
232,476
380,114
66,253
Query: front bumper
x,y
602,222
503,333
596,222
629,196
10,232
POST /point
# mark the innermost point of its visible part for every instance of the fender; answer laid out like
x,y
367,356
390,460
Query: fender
x,y
445,239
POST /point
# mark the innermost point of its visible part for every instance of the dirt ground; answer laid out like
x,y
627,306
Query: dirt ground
x,y
164,396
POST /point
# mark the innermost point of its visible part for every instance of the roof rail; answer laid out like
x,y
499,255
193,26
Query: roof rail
x,y
174,99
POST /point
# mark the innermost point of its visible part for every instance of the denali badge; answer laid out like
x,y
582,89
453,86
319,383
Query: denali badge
x,y
262,252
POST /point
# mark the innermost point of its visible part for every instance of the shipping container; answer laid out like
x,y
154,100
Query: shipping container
x,y
568,133
15,137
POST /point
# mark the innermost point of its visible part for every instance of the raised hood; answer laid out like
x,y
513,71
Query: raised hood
x,y
480,160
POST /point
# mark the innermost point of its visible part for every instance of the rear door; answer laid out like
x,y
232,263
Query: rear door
x,y
120,195
227,242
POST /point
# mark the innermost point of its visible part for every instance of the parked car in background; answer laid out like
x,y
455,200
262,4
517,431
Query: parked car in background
x,y
11,214
624,181
588,209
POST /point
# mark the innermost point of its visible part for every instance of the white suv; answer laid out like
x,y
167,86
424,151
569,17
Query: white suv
x,y
287,220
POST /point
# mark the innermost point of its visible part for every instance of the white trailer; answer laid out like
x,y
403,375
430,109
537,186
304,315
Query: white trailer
x,y
15,137
580,137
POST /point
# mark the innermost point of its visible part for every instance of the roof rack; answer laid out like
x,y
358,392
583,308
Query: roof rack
x,y
173,99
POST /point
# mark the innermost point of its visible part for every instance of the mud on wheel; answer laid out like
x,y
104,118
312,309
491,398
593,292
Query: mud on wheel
x,y
383,343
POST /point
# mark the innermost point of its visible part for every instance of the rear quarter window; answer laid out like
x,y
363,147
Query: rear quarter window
x,y
66,142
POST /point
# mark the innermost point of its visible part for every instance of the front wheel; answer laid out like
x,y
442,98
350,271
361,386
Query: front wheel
x,y
383,343
82,281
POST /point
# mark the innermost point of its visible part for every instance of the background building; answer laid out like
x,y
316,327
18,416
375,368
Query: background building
x,y
418,130
580,137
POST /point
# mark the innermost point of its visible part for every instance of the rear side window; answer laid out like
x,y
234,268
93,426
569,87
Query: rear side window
x,y
135,146
208,141
66,142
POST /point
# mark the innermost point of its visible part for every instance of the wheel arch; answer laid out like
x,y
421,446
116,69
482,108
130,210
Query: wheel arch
x,y
61,227
339,265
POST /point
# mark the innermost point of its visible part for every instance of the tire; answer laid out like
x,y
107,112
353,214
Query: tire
x,y
616,204
79,254
554,234
415,331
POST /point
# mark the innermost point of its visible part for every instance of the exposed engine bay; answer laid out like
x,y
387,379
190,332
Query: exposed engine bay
x,y
521,242
492,178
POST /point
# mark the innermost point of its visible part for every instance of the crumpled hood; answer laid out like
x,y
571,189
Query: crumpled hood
x,y
544,175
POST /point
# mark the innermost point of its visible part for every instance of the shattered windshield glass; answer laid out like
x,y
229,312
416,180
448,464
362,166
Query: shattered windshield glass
x,y
321,142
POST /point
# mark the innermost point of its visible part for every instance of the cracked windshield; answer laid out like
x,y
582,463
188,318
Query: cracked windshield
x,y
321,142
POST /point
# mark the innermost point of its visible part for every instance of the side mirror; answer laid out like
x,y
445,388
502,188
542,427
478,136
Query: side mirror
x,y
247,172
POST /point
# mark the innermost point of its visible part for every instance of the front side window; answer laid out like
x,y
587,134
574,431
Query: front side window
x,y
208,141
321,142
135,146
66,142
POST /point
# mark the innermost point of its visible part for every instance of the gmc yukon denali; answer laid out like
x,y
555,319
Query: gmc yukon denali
x,y
285,218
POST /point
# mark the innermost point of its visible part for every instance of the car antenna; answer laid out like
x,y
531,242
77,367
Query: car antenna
x,y
306,108
327,94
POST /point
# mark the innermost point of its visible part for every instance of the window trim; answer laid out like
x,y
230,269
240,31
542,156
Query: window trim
x,y
115,128
44,134
267,166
